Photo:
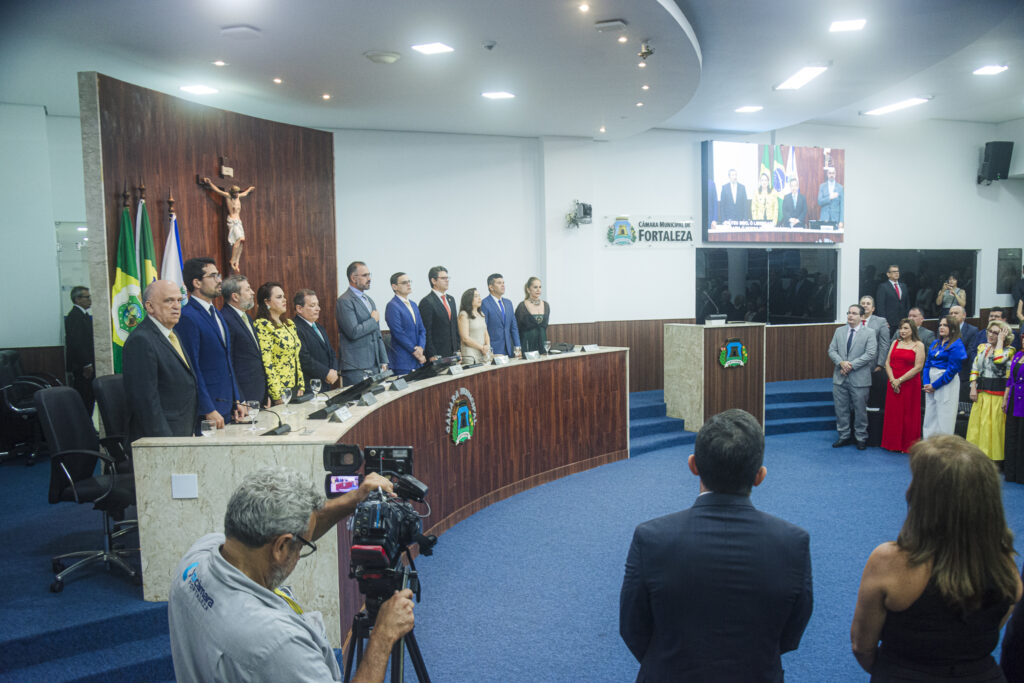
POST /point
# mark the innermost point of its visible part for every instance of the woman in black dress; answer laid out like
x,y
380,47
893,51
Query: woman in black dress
x,y
937,597
532,315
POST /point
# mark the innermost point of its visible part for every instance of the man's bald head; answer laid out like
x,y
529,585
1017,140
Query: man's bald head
x,y
162,300
958,314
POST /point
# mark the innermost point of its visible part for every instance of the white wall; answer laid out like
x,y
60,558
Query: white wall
x,y
1014,132
31,306
64,136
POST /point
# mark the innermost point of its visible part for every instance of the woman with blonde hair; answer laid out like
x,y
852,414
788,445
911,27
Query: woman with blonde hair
x,y
987,426
937,597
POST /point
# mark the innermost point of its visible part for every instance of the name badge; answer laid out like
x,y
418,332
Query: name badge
x,y
590,347
532,355
456,369
501,359
367,399
341,414
399,384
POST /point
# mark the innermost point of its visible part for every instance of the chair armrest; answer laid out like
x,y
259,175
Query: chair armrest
x,y
114,445
26,384
59,458
45,378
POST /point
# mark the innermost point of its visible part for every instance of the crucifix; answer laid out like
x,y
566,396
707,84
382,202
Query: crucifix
x,y
232,201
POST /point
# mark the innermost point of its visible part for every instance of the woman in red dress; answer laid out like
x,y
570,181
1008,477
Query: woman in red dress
x,y
902,426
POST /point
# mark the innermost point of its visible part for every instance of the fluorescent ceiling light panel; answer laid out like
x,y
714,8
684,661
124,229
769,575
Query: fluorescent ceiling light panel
x,y
990,70
83,229
749,109
498,95
848,25
199,89
433,48
801,78
912,102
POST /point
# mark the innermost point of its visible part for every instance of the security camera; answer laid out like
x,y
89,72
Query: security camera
x,y
645,51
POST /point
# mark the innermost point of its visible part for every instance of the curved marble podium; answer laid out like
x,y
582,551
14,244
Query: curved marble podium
x,y
533,421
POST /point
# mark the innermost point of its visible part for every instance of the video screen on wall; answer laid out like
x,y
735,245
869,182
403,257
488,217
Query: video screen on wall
x,y
773,193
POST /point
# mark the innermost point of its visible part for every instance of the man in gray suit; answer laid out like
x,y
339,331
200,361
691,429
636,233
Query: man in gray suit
x,y
361,347
876,395
923,333
854,349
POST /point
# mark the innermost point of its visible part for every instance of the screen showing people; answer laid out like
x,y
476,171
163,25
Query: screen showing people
x,y
772,193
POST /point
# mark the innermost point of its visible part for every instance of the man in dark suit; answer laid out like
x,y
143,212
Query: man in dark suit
x,y
316,356
719,591
204,335
923,333
971,337
733,204
440,317
501,318
892,300
879,379
78,348
794,207
361,346
408,335
159,384
246,356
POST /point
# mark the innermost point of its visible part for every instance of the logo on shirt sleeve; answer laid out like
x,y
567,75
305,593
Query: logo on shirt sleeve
x,y
191,578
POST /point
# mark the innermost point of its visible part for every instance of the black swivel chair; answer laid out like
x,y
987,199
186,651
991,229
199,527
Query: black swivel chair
x,y
18,424
113,404
75,450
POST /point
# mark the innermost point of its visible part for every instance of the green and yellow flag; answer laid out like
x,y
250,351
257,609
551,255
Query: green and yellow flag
x,y
125,296
144,243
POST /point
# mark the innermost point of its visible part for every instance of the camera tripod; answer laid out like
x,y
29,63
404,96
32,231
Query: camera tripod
x,y
362,626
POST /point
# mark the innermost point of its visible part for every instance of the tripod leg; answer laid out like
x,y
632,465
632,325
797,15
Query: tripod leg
x,y
417,658
398,662
360,632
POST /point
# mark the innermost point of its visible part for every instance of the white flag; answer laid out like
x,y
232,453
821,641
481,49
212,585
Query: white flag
x,y
171,268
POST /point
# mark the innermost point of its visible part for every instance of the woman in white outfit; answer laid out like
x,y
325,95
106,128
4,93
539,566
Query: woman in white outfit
x,y
942,381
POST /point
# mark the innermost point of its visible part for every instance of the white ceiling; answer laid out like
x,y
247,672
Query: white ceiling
x,y
568,78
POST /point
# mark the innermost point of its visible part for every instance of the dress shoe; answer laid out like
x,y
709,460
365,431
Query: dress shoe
x,y
861,446
842,442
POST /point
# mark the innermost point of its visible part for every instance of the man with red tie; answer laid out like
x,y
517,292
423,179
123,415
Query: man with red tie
x,y
892,299
440,317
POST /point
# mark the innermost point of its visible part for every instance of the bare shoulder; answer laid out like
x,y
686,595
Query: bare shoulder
x,y
901,582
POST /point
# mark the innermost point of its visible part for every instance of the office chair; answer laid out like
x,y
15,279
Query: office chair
x,y
113,405
20,427
75,450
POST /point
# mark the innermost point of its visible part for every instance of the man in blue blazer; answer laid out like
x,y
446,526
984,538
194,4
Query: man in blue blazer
x,y
204,336
794,207
831,199
316,356
360,344
501,318
408,335
719,591
246,356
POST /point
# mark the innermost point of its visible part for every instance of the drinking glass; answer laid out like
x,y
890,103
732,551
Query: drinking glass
x,y
254,411
208,428
517,351
314,386
286,397
487,354
547,347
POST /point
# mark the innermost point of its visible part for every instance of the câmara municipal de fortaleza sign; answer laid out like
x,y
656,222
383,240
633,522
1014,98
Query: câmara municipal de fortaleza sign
x,y
650,232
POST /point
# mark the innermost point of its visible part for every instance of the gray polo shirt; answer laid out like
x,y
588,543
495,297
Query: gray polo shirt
x,y
226,627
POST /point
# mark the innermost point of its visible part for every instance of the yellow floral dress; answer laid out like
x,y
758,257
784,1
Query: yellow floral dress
x,y
280,346
765,207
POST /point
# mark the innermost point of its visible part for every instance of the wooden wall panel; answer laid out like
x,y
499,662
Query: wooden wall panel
x,y
48,359
164,142
798,351
726,388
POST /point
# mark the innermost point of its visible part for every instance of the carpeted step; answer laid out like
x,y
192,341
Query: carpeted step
x,y
646,410
655,442
646,397
783,411
797,397
654,425
797,424
135,660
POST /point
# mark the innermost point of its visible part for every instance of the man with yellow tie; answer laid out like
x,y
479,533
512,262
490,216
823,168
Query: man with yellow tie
x,y
159,382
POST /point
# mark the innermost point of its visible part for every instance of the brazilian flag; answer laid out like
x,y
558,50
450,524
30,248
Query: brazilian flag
x,y
144,241
125,296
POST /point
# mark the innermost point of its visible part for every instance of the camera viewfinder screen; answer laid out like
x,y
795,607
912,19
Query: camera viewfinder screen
x,y
341,483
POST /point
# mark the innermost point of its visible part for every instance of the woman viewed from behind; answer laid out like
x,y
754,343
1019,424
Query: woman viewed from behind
x,y
532,315
902,426
279,342
476,342
941,381
937,597
987,426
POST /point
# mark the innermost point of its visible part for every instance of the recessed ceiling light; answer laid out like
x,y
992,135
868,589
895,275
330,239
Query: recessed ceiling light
x,y
623,39
990,70
601,129
750,109
326,96
498,95
199,89
220,62
639,104
433,48
240,32
83,229
645,87
801,78
382,56
584,7
912,102
848,25
278,81
642,65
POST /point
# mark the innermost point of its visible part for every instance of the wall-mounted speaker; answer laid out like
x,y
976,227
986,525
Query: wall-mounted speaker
x,y
995,164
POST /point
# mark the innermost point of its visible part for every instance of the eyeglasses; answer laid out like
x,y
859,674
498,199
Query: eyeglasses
x,y
404,282
215,276
309,549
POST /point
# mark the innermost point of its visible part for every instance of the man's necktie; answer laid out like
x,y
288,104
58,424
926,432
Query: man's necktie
x,y
849,340
173,338
501,308
447,308
899,294
216,322
248,326
316,328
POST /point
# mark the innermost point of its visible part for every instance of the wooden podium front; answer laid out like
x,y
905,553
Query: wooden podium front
x,y
711,368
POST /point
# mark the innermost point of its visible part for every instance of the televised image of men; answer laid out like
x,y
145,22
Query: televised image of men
x,y
230,617
78,346
831,199
719,591
733,204
794,207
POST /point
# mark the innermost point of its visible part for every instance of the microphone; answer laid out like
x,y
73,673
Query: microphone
x,y
281,428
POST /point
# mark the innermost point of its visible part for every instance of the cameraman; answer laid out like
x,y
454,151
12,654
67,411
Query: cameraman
x,y
229,618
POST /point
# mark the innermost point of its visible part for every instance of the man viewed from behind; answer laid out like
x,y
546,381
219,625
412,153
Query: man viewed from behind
x,y
231,619
719,591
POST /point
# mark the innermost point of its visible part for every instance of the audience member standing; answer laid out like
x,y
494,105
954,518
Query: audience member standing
x,y
719,591
950,295
246,356
924,334
854,349
876,395
987,426
159,384
361,345
970,336
408,334
903,367
501,319
279,342
78,345
941,381
204,335
316,355
1013,406
532,315
937,596
439,317
893,299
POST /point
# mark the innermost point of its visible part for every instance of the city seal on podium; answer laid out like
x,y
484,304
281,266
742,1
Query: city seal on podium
x,y
733,354
461,416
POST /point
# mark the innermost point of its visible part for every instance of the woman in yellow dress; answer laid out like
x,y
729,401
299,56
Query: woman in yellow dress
x,y
279,342
764,206
987,426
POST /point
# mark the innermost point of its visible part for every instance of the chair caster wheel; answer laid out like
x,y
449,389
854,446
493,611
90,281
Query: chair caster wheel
x,y
56,586
57,566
